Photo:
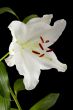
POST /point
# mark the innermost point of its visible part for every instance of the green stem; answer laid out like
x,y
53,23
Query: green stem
x,y
15,99
4,56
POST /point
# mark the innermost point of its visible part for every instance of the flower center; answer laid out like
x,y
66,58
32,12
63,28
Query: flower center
x,y
42,48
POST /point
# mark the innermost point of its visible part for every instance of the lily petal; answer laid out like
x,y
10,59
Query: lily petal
x,y
46,19
55,32
18,31
28,67
49,60
51,33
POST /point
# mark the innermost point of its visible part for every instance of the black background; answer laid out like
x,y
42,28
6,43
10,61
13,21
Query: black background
x,y
51,80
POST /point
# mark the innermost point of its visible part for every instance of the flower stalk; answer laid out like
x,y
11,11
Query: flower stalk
x,y
4,56
15,99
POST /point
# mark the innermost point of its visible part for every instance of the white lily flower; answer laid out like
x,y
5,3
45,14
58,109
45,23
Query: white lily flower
x,y
29,48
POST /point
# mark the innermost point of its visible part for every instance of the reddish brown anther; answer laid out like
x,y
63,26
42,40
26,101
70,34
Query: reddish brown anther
x,y
41,46
42,39
35,52
46,41
49,50
41,55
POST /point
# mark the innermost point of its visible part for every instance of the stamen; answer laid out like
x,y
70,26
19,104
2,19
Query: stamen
x,y
41,46
49,50
46,41
41,55
42,39
35,52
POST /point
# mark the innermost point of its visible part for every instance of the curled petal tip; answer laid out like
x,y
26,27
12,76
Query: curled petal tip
x,y
63,68
50,15
30,84
63,21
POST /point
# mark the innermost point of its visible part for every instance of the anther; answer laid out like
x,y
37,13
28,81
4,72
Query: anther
x,y
46,41
41,55
42,39
41,46
49,50
35,52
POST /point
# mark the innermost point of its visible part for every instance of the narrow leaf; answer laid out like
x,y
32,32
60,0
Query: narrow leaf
x,y
26,19
4,88
46,102
18,86
9,10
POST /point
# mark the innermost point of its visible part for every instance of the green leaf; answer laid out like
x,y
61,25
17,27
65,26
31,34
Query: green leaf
x,y
46,102
26,19
18,86
4,103
9,10
13,109
4,88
